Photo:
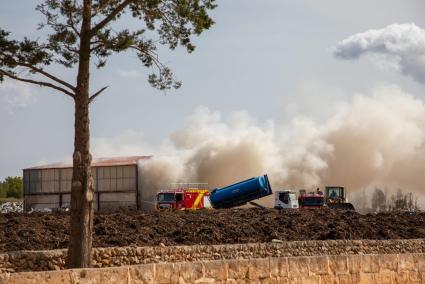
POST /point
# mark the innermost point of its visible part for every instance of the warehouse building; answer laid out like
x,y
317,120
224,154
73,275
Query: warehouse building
x,y
115,180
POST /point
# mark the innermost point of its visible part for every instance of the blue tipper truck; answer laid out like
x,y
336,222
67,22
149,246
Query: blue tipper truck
x,y
240,193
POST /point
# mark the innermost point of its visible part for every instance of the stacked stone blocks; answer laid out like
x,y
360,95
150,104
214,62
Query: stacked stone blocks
x,y
22,261
390,268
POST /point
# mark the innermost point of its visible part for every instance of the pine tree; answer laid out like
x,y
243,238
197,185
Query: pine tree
x,y
78,31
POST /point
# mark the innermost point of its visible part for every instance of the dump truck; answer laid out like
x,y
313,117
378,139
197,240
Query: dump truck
x,y
184,196
335,198
241,193
285,199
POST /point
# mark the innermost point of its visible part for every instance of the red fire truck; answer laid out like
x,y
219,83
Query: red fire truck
x,y
312,200
184,196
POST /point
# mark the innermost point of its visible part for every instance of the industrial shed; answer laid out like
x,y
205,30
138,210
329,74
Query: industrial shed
x,y
115,181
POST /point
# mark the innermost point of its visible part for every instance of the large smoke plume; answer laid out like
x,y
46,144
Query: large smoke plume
x,y
374,140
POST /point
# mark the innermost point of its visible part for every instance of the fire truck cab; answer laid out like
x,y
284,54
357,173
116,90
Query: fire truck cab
x,y
183,197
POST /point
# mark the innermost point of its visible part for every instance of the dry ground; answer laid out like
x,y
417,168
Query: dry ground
x,y
38,231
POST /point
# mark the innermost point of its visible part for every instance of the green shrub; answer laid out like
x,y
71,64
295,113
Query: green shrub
x,y
12,187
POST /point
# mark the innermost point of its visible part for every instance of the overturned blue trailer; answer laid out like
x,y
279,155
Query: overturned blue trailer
x,y
241,193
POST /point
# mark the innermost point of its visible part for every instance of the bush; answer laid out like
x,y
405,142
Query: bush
x,y
12,187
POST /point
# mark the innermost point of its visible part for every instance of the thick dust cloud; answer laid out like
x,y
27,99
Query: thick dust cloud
x,y
374,140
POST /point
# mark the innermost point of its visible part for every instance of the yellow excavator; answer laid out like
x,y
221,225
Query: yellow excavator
x,y
335,198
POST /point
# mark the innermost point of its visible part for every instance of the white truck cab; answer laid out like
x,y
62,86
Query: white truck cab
x,y
285,199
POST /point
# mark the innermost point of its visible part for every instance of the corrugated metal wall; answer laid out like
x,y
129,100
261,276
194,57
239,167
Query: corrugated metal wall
x,y
115,187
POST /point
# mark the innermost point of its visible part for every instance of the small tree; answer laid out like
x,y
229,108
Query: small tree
x,y
403,201
379,200
78,31
14,187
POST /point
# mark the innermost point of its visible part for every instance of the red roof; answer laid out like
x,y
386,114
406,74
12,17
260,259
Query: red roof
x,y
97,162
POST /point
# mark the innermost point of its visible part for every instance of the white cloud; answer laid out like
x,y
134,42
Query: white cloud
x,y
401,46
16,95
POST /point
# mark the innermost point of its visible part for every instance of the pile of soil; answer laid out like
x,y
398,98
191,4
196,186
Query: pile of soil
x,y
39,231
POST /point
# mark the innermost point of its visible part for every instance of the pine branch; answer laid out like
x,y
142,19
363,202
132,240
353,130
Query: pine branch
x,y
72,24
110,17
48,75
39,83
97,93
105,4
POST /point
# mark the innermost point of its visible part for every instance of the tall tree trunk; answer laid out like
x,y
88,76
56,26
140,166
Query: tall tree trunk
x,y
82,189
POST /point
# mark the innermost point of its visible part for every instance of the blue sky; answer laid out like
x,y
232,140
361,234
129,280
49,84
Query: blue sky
x,y
270,58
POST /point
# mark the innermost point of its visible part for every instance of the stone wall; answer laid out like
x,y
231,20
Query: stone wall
x,y
386,268
119,256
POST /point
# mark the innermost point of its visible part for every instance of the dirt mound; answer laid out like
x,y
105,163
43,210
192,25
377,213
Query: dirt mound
x,y
49,230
